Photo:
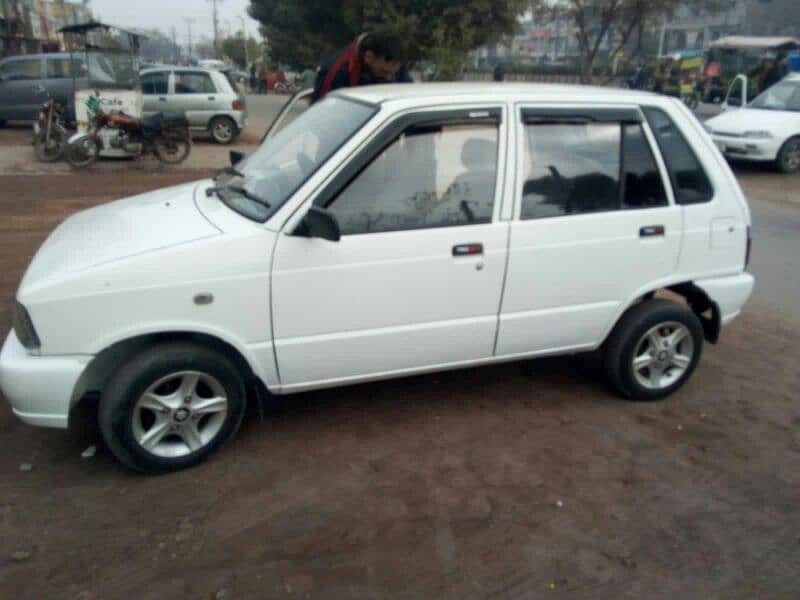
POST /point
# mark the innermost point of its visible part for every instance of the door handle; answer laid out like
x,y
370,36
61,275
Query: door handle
x,y
652,231
212,98
162,99
467,249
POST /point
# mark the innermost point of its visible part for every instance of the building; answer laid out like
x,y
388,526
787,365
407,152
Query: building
x,y
30,26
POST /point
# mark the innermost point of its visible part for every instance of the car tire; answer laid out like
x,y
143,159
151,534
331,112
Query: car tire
x,y
171,406
653,350
788,160
223,130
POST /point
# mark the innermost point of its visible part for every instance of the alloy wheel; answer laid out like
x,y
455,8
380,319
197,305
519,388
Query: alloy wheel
x,y
663,355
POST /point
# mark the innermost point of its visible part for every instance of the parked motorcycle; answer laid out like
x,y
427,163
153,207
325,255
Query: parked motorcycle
x,y
51,130
164,134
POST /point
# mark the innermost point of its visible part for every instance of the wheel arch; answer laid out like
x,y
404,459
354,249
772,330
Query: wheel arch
x,y
108,361
706,310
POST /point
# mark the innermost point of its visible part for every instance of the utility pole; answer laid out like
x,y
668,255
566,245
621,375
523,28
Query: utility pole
x,y
189,27
175,52
244,37
216,25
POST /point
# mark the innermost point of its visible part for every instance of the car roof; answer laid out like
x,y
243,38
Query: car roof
x,y
178,68
520,92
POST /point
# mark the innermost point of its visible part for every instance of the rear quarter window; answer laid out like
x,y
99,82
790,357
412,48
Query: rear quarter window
x,y
689,181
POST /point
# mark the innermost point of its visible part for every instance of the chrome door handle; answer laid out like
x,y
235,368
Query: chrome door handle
x,y
468,249
652,231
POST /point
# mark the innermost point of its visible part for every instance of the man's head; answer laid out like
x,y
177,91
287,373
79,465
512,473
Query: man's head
x,y
382,53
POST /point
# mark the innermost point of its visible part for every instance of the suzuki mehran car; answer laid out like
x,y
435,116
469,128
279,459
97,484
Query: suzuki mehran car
x,y
387,231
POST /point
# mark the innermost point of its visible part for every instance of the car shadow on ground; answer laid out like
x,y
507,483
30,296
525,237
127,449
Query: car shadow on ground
x,y
576,379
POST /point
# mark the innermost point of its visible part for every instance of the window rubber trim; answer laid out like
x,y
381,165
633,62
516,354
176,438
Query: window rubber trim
x,y
546,115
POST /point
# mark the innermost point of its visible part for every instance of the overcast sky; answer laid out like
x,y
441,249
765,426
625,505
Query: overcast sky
x,y
164,14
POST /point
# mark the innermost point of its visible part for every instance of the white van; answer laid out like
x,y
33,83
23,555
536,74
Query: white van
x,y
387,231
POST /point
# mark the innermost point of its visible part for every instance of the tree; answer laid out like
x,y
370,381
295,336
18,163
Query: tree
x,y
233,48
305,33
620,23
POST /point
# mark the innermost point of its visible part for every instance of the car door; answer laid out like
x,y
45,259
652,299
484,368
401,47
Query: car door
x,y
415,281
595,224
155,92
196,95
21,80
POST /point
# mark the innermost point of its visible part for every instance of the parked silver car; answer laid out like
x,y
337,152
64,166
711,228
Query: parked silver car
x,y
211,101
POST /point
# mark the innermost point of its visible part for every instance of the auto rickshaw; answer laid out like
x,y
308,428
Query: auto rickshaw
x,y
109,73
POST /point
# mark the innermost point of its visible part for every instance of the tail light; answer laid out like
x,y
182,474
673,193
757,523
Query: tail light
x,y
49,105
238,105
749,245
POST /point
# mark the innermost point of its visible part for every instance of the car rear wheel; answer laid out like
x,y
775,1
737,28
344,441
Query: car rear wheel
x,y
653,350
171,407
223,130
789,156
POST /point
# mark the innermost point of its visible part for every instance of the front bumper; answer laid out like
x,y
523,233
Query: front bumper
x,y
39,388
747,148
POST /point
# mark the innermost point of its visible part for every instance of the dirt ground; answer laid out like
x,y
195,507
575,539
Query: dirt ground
x,y
525,480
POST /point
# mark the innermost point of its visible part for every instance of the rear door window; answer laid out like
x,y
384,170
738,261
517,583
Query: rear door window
x,y
155,84
689,181
187,82
576,167
64,68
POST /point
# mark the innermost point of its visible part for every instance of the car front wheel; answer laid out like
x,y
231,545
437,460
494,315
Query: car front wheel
x,y
789,156
653,350
171,407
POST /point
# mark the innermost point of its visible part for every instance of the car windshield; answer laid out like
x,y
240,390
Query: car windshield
x,y
781,96
285,161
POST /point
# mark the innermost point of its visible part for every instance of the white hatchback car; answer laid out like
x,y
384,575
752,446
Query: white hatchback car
x,y
764,130
387,231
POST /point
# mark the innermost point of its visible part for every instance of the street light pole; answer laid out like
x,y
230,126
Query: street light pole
x,y
189,27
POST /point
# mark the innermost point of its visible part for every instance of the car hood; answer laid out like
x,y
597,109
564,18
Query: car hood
x,y
118,230
749,119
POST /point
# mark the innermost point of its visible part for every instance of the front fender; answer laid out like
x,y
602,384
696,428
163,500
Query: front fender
x,y
77,136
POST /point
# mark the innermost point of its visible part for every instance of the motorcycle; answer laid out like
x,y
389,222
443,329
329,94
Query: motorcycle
x,y
51,130
166,135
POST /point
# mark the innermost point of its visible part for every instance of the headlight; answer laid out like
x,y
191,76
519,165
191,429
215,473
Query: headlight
x,y
23,327
758,135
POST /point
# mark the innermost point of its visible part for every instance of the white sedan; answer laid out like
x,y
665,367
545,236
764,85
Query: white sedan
x,y
766,130
387,231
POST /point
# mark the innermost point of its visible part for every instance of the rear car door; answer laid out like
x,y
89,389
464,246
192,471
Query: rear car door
x,y
20,81
155,92
595,224
415,281
196,95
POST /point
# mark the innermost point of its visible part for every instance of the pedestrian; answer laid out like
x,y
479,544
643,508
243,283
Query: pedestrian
x,y
263,76
499,73
376,57
253,78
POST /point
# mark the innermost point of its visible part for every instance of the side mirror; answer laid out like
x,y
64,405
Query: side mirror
x,y
320,223
236,157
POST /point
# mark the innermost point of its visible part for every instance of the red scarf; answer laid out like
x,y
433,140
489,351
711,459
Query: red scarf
x,y
351,56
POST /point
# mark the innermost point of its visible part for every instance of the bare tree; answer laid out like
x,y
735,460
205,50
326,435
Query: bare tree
x,y
594,19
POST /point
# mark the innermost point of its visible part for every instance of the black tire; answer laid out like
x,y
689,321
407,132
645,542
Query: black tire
x,y
788,160
223,130
173,150
79,154
625,341
120,396
55,150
